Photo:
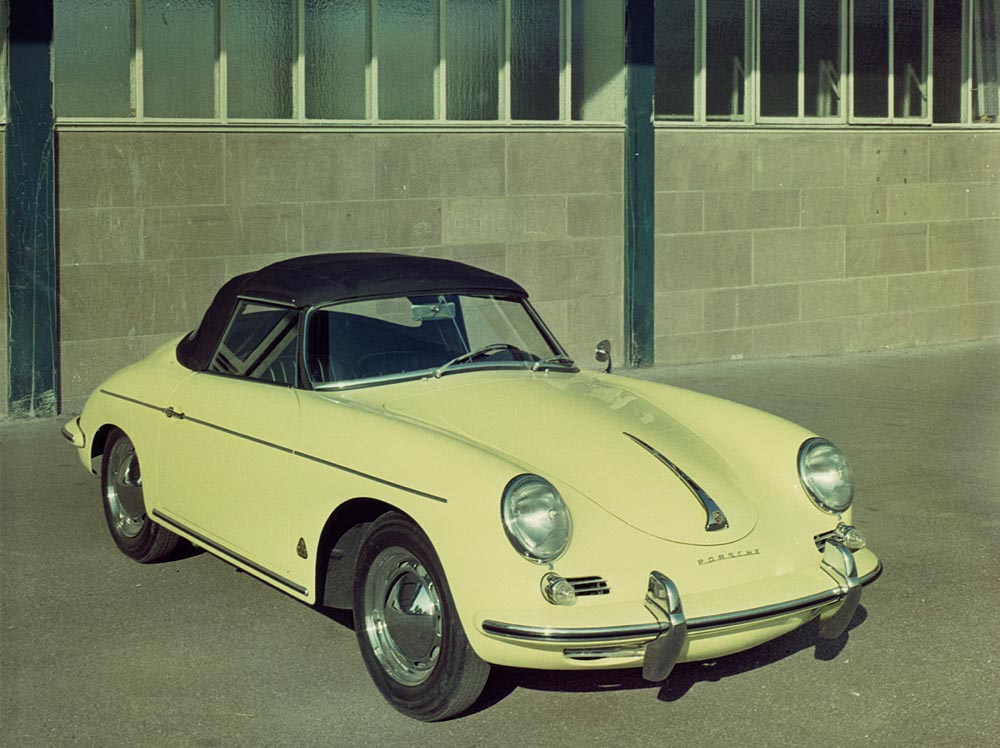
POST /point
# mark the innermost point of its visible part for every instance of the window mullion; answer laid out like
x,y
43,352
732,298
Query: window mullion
x,y
373,8
506,47
755,73
800,84
565,60
700,44
138,109
299,68
842,60
892,61
222,64
928,72
441,89
965,115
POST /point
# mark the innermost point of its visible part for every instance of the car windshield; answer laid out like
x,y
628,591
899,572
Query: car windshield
x,y
367,342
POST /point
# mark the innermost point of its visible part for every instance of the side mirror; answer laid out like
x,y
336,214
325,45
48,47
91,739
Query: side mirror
x,y
603,354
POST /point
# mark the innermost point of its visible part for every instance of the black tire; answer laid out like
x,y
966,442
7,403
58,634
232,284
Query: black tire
x,y
135,534
411,639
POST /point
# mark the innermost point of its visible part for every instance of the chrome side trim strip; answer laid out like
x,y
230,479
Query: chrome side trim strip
x,y
171,413
715,518
383,481
132,400
228,554
653,629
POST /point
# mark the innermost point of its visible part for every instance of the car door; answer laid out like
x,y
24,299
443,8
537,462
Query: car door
x,y
225,449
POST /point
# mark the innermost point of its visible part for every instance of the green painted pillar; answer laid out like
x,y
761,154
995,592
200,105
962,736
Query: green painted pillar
x,y
640,187
33,343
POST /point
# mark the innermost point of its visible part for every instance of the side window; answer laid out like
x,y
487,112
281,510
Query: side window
x,y
260,343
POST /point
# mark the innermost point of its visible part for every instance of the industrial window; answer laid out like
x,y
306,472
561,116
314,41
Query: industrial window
x,y
816,62
339,61
801,60
92,68
889,43
178,46
421,62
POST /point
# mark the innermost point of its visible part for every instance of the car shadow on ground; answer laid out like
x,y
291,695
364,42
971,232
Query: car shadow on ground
x,y
504,681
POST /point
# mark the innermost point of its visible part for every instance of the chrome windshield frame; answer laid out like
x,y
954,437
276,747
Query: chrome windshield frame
x,y
409,376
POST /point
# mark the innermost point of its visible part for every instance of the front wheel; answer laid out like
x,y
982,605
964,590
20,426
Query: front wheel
x,y
411,639
135,534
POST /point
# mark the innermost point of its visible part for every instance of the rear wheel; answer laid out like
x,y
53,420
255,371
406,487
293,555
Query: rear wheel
x,y
410,636
135,534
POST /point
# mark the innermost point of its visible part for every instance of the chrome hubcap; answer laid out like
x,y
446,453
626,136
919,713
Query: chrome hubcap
x,y
124,490
402,616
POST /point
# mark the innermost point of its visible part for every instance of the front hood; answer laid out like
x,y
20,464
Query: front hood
x,y
622,451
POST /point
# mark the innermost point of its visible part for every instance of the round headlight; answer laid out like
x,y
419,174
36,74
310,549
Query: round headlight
x,y
535,518
826,475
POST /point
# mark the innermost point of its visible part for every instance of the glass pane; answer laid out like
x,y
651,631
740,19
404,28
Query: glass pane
x,y
779,58
336,59
871,58
985,61
473,56
407,58
947,64
358,340
673,59
910,76
93,56
178,40
598,85
534,63
725,60
822,58
259,49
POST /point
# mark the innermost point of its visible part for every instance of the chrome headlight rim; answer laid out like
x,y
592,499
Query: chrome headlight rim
x,y
539,552
809,484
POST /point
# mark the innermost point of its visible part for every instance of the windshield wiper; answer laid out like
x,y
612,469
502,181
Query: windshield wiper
x,y
475,354
555,362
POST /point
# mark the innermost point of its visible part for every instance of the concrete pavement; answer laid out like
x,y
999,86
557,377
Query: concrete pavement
x,y
96,650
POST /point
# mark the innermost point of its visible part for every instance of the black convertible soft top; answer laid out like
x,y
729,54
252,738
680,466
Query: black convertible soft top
x,y
323,279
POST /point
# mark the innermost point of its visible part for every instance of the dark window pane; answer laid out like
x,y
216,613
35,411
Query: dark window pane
x,y
179,49
93,56
598,91
407,58
779,58
673,33
473,59
534,59
259,49
947,62
909,76
822,58
871,58
336,58
725,61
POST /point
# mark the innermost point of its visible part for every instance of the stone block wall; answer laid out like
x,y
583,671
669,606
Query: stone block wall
x,y
151,223
799,243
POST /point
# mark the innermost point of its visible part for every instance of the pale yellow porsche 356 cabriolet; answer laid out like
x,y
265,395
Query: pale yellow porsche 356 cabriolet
x,y
403,436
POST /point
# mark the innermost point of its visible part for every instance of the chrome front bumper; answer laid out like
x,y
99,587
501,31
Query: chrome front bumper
x,y
660,641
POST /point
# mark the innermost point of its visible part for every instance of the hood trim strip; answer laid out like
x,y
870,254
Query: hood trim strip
x,y
715,518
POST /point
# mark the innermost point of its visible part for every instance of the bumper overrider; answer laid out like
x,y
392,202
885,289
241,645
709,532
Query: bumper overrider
x,y
659,642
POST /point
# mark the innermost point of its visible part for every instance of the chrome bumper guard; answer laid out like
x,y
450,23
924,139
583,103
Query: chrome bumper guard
x,y
664,602
665,636
839,563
